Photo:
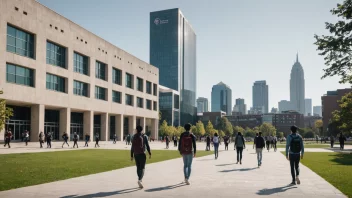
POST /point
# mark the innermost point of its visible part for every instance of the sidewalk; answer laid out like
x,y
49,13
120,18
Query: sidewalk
x,y
210,178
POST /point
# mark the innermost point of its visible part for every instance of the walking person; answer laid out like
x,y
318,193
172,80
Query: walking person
x,y
255,139
167,141
48,139
268,141
342,140
41,139
226,142
96,140
114,139
8,136
187,148
65,137
240,145
128,138
332,140
275,143
259,145
175,140
26,137
75,139
294,152
207,148
216,145
139,145
87,138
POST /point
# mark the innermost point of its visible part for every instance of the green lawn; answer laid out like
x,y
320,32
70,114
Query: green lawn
x,y
19,170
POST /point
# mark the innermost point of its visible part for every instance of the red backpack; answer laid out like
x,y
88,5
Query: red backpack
x,y
138,144
186,144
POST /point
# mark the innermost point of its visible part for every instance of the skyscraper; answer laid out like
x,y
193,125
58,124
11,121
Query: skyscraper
x,y
240,106
173,51
202,105
308,107
221,98
285,105
297,88
261,96
317,111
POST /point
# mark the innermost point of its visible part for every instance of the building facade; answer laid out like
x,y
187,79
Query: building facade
x,y
283,121
169,106
59,77
308,107
173,51
245,121
274,110
261,95
221,98
309,121
297,87
202,105
285,105
256,110
213,117
240,107
317,111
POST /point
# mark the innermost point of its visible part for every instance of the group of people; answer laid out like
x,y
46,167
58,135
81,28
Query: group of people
x,y
341,139
271,142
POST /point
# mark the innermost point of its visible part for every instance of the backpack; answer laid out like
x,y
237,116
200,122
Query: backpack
x,y
75,137
295,145
186,144
138,144
216,139
239,141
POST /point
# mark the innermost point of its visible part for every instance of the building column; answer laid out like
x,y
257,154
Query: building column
x,y
37,122
88,124
131,124
65,122
119,127
143,124
104,127
154,128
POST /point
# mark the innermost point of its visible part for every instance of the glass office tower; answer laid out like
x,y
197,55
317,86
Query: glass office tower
x,y
173,51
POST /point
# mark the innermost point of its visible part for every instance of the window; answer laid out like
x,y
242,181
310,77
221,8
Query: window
x,y
139,102
129,100
129,80
149,87
149,104
100,93
155,89
19,75
139,84
55,55
80,63
116,96
116,76
20,42
155,108
100,70
80,88
55,83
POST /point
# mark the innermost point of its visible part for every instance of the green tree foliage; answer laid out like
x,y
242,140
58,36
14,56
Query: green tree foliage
x,y
225,126
336,48
165,129
256,129
5,112
237,129
200,128
343,117
268,129
209,129
280,134
179,130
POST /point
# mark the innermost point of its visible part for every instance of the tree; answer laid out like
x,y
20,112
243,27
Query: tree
x,y
5,112
221,133
268,129
336,48
165,129
256,129
200,128
319,125
343,117
160,114
281,134
225,126
179,130
237,129
209,129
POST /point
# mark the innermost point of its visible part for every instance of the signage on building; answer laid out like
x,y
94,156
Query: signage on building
x,y
158,21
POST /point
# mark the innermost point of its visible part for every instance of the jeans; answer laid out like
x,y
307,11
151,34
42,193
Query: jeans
x,y
75,143
86,144
216,149
259,155
207,147
226,146
140,164
239,153
187,163
65,142
342,145
294,163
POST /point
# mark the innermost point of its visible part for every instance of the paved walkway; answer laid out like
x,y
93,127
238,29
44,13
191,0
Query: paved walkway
x,y
209,178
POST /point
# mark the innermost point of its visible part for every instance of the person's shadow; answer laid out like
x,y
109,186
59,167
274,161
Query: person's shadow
x,y
271,191
105,194
165,187
241,169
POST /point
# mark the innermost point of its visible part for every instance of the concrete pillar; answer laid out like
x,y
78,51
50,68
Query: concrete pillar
x,y
88,124
143,124
119,127
37,121
104,127
65,122
131,124
154,128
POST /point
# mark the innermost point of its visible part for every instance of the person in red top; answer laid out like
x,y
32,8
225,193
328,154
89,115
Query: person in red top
x,y
8,136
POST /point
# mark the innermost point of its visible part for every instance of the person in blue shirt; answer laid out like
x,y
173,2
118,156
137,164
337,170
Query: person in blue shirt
x,y
294,152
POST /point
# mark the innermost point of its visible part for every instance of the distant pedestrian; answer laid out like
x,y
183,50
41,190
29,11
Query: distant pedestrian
x,y
226,142
167,141
87,138
268,141
48,140
216,145
187,148
342,140
321,140
332,140
26,137
175,140
96,140
294,152
207,148
65,138
114,139
275,143
128,139
255,139
240,145
75,139
41,139
8,136
139,145
259,145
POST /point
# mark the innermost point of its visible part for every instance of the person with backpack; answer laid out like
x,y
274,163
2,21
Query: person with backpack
x,y
259,145
41,139
75,139
216,145
128,139
294,152
87,138
139,145
48,140
187,148
96,140
114,139
65,137
240,145
167,141
332,140
342,140
207,148
8,136
226,142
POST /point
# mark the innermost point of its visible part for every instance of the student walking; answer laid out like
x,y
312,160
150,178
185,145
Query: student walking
x,y
187,148
342,140
8,136
96,140
75,139
48,140
41,139
175,140
240,145
114,139
87,138
226,142
268,141
216,145
128,139
259,145
26,137
294,152
207,148
65,137
275,143
139,145
332,140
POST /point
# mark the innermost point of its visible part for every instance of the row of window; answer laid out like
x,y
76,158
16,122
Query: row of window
x,y
22,43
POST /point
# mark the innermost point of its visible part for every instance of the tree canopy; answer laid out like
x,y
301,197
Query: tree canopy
x,y
5,112
225,125
343,117
268,129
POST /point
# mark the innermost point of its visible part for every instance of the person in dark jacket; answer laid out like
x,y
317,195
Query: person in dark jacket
x,y
87,138
208,144
342,140
65,137
294,152
259,145
240,145
187,148
332,140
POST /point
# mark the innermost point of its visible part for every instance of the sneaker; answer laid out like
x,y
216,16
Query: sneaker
x,y
298,181
187,182
293,183
240,162
140,184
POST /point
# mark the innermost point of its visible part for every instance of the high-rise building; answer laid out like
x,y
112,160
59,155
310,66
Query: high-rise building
x,y
297,87
173,51
261,95
308,106
240,107
274,110
202,105
285,105
317,111
169,106
221,98
256,110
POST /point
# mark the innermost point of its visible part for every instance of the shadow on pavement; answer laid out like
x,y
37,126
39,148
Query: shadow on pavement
x,y
205,159
165,187
271,191
104,194
242,169
225,164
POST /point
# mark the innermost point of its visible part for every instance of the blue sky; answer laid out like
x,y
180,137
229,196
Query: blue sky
x,y
238,42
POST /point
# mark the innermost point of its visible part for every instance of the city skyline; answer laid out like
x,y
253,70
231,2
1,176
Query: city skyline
x,y
272,62
297,87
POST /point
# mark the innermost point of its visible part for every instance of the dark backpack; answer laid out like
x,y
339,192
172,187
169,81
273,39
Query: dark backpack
x,y
75,137
138,144
295,145
186,144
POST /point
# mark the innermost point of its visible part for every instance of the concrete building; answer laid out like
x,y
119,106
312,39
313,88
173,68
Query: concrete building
x,y
221,98
274,110
173,51
59,77
297,87
240,107
169,106
213,117
245,121
285,105
202,105
256,110
317,111
283,121
260,93
308,107
329,105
